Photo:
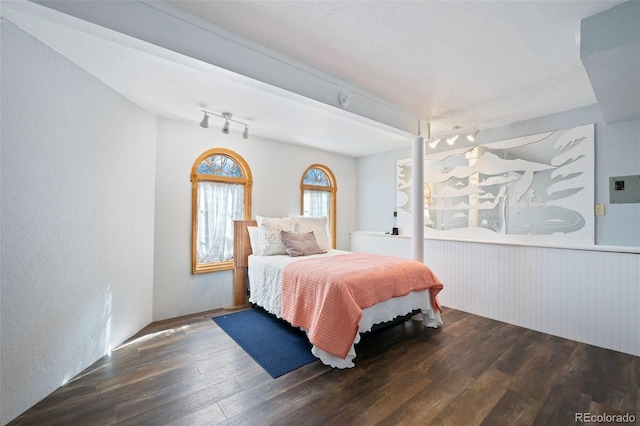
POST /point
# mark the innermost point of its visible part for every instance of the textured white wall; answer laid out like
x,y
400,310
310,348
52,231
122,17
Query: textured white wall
x,y
77,179
377,190
276,168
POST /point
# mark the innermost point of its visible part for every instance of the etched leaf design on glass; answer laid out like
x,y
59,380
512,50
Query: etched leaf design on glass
x,y
220,165
316,177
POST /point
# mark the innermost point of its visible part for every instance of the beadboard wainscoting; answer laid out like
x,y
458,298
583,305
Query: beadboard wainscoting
x,y
587,295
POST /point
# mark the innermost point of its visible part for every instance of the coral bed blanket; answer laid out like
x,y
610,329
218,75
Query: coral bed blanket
x,y
326,295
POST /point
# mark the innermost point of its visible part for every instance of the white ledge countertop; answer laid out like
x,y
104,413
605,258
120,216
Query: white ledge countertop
x,y
545,244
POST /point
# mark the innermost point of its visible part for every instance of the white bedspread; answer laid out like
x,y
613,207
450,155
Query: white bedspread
x,y
265,283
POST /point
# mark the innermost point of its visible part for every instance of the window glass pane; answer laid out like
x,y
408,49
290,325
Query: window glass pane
x,y
316,177
220,165
219,204
316,203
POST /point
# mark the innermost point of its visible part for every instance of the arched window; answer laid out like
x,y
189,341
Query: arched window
x,y
318,196
221,193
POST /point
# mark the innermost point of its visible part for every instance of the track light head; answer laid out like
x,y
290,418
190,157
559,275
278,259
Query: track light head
x,y
227,116
205,121
452,139
434,143
245,133
472,136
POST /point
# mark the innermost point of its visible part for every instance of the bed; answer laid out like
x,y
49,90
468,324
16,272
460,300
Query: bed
x,y
333,295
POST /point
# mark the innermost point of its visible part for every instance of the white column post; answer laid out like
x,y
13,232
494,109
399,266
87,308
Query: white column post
x,y
417,199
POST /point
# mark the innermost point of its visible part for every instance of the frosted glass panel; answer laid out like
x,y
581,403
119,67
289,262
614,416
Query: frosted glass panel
x,y
538,186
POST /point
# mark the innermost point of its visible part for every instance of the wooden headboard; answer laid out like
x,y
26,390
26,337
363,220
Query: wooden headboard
x,y
241,252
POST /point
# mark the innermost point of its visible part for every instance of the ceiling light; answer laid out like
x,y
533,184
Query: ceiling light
x,y
472,136
434,143
228,118
205,121
452,139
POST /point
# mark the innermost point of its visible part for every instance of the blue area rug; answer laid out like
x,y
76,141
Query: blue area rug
x,y
274,344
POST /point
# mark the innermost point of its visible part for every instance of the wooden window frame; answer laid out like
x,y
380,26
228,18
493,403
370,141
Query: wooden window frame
x,y
246,180
332,188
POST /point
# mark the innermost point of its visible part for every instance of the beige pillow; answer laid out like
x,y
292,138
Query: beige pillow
x,y
297,244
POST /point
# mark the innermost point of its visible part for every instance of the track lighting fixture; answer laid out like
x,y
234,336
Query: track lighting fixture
x,y
454,134
228,117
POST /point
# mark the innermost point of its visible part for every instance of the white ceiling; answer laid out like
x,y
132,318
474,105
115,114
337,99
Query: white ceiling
x,y
457,63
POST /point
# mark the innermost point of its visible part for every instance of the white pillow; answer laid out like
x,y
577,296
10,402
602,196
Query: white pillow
x,y
269,233
319,227
254,239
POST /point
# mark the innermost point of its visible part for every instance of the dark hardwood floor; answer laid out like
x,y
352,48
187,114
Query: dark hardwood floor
x,y
472,371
